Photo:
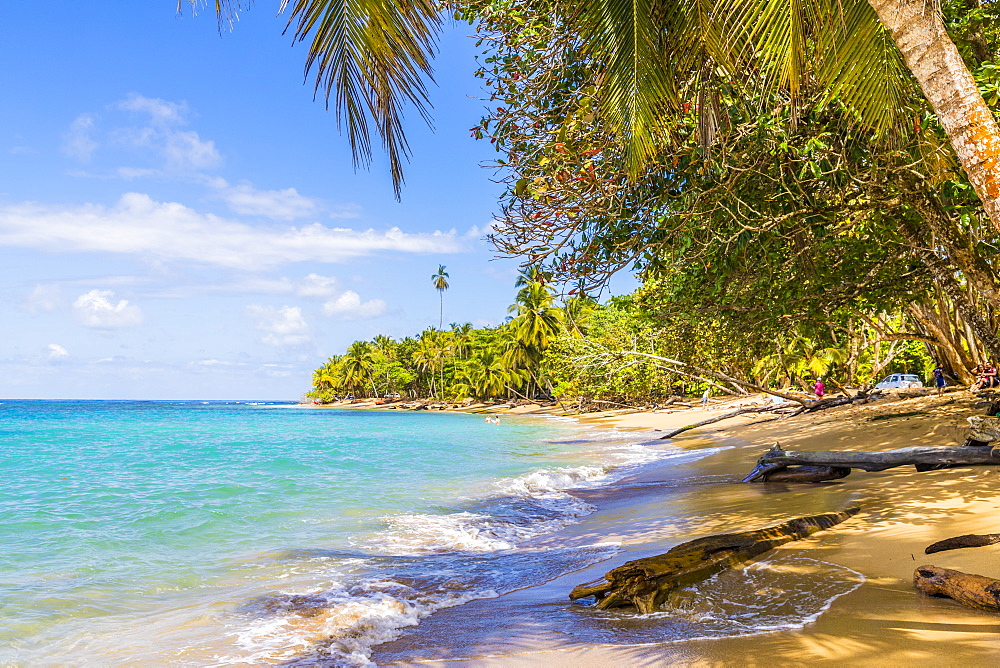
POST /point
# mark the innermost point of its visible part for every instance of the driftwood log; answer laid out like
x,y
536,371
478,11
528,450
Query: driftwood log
x,y
968,540
924,458
975,591
725,416
648,583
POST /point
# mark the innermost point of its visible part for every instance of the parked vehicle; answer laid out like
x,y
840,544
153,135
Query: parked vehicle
x,y
898,380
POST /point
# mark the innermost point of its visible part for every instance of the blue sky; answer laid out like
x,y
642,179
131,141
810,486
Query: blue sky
x,y
180,219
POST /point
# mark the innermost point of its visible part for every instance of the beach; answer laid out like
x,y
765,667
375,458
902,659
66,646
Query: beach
x,y
856,576
256,533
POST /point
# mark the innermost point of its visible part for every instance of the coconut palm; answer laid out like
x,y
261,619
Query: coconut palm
x,y
486,376
357,364
440,280
800,358
536,323
373,58
429,357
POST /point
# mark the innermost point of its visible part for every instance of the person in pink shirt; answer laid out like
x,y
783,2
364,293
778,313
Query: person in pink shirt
x,y
819,389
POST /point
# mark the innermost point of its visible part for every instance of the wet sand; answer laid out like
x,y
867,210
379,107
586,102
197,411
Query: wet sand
x,y
878,619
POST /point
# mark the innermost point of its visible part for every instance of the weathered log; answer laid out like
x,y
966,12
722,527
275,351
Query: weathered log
x,y
776,459
724,416
975,591
648,583
807,474
968,540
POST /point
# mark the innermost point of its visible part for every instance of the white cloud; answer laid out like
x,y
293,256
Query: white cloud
x,y
139,225
129,173
285,326
178,150
57,352
479,233
349,306
285,204
159,111
43,298
94,309
79,143
184,151
277,370
315,285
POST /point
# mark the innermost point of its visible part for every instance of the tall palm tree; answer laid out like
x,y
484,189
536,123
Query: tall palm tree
x,y
373,58
440,280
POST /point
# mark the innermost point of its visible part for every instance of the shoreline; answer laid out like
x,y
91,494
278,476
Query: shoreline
x,y
883,619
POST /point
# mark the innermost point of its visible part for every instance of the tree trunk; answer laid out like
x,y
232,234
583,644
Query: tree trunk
x,y
934,60
968,540
944,277
947,345
647,583
956,243
724,416
923,457
974,591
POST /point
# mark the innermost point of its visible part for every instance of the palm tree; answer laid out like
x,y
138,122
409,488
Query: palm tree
x,y
357,364
429,357
799,358
373,58
440,280
537,322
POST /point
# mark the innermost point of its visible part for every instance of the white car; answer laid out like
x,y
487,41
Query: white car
x,y
900,380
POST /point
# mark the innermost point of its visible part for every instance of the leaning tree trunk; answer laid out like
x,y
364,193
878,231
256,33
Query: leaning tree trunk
x,y
944,276
934,60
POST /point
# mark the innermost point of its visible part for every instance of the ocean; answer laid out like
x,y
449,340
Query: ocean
x,y
222,533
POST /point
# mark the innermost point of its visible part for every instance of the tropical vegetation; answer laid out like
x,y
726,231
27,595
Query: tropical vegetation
x,y
574,350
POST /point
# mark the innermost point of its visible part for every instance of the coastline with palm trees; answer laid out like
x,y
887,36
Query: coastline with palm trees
x,y
629,366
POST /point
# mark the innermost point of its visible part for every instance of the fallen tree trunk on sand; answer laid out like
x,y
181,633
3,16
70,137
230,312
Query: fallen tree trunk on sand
x,y
924,458
975,591
786,408
647,583
958,542
724,416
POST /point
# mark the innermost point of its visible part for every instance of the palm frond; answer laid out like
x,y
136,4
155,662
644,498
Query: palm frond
x,y
864,69
636,83
371,59
838,48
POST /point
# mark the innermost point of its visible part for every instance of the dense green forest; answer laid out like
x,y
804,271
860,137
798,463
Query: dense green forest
x,y
627,351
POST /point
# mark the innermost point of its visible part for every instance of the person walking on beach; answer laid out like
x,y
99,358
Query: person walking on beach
x,y
939,381
819,389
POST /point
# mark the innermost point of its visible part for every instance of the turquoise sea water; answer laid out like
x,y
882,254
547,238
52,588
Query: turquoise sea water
x,y
214,533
